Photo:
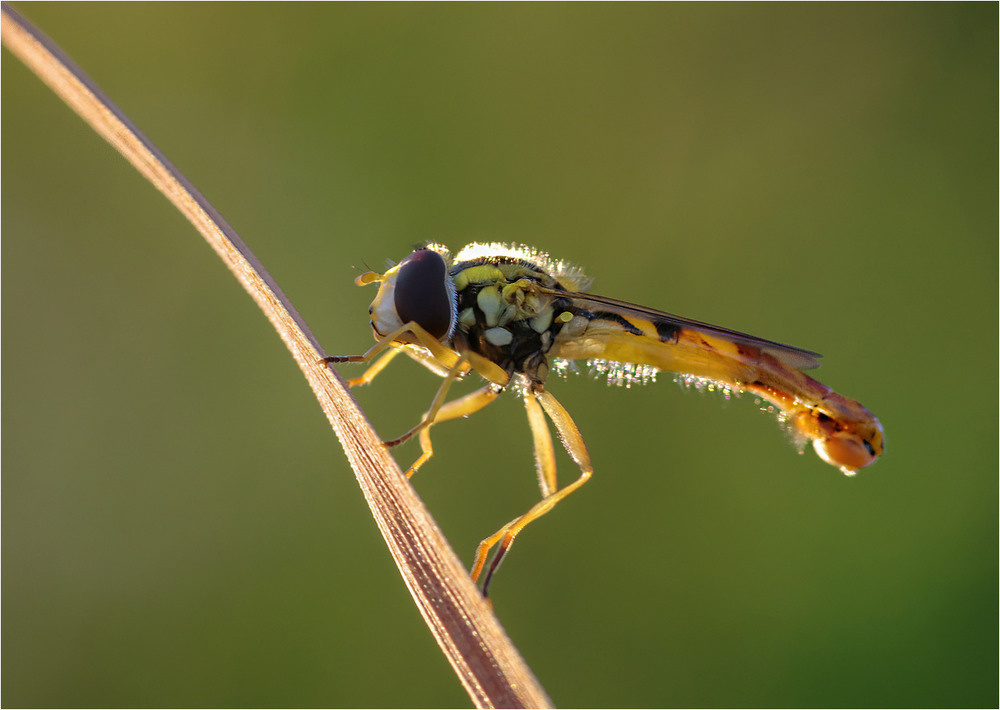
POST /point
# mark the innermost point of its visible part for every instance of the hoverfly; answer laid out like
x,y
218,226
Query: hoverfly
x,y
509,313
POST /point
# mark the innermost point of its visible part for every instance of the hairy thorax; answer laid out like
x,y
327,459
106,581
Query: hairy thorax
x,y
505,315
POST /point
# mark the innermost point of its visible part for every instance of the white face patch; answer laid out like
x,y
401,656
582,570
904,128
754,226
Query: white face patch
x,y
383,309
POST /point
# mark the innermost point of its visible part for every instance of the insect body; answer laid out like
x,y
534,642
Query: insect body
x,y
509,313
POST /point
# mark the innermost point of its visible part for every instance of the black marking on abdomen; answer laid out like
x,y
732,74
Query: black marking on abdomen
x,y
667,331
613,317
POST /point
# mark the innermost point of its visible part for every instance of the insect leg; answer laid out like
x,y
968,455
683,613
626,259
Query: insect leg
x,y
442,361
577,450
375,368
407,333
431,414
461,407
545,455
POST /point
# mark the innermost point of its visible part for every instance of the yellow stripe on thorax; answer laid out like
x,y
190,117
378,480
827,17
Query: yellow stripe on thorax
x,y
484,273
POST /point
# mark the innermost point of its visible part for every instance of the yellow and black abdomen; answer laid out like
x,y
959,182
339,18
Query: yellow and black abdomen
x,y
628,338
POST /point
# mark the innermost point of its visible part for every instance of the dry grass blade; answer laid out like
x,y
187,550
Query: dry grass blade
x,y
488,665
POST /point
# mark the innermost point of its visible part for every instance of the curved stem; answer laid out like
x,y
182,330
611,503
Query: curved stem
x,y
486,662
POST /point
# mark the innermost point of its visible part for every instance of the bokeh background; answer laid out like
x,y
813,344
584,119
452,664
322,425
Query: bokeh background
x,y
179,525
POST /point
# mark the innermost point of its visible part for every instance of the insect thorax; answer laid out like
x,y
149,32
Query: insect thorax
x,y
504,316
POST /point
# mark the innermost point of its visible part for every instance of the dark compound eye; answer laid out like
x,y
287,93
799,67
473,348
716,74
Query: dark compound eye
x,y
424,294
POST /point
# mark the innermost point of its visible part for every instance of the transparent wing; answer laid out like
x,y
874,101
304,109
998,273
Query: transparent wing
x,y
621,321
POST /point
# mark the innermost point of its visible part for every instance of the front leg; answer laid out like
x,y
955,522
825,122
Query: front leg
x,y
445,356
372,371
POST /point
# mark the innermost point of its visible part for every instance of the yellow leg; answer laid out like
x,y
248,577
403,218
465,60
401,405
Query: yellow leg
x,y
461,407
432,413
373,371
442,361
545,455
435,356
577,450
444,355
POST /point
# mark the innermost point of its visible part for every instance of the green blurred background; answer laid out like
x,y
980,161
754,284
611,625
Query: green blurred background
x,y
180,526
